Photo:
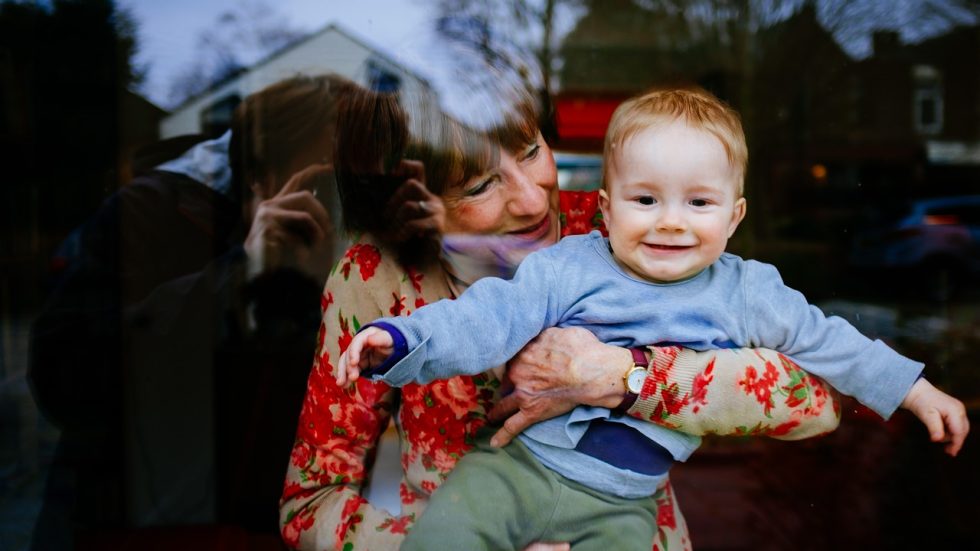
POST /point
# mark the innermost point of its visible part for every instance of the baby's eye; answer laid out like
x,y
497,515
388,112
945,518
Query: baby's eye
x,y
699,202
645,200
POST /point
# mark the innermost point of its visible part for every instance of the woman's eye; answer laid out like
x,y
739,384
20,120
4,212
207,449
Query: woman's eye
x,y
480,187
532,151
645,200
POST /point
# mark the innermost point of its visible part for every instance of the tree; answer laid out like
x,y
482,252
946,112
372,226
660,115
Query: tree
x,y
69,64
238,38
501,32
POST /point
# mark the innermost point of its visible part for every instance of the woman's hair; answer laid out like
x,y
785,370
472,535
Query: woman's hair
x,y
271,125
376,130
694,106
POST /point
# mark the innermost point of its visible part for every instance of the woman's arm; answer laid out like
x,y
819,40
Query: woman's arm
x,y
743,391
738,392
339,428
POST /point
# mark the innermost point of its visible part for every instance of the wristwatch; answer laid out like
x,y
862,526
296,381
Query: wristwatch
x,y
633,380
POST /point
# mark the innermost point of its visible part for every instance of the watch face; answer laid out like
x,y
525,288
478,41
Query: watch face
x,y
635,380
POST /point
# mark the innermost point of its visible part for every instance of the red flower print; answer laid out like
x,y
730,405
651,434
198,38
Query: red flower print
x,y
665,511
784,428
369,391
325,301
398,306
295,490
349,520
699,389
353,420
751,383
296,522
416,279
670,400
408,496
459,393
343,341
428,486
367,257
302,455
338,462
579,212
396,526
662,363
419,302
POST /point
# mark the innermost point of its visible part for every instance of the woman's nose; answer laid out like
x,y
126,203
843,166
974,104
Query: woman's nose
x,y
528,198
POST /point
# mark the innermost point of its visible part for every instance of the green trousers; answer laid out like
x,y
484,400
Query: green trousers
x,y
503,498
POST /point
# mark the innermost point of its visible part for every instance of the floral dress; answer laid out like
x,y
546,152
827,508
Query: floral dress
x,y
742,392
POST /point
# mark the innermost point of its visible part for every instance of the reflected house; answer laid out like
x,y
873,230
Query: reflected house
x,y
829,135
332,49
928,94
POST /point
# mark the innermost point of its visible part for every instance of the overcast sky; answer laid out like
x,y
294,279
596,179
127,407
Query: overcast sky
x,y
169,30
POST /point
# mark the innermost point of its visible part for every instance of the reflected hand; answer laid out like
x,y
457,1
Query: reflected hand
x,y
291,229
413,210
558,370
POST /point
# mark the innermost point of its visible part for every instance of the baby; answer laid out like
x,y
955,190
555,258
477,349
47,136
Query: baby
x,y
671,198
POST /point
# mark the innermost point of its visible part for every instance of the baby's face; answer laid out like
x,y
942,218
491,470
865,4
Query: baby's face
x,y
670,202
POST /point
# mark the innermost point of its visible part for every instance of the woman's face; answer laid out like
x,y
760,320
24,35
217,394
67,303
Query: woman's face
x,y
517,198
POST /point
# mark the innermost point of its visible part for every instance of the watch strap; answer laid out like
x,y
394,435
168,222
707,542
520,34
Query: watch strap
x,y
629,398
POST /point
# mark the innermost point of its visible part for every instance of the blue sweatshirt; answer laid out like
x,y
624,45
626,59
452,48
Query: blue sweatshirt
x,y
734,303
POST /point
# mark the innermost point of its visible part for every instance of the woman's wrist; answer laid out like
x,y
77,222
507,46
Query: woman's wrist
x,y
608,388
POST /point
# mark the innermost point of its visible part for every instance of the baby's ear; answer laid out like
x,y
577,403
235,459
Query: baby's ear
x,y
604,204
738,213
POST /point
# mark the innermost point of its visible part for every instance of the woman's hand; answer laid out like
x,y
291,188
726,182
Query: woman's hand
x,y
558,370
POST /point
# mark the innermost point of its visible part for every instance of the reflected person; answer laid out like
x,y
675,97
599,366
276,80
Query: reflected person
x,y
173,351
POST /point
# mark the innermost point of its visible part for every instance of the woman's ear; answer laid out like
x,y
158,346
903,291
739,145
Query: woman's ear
x,y
738,213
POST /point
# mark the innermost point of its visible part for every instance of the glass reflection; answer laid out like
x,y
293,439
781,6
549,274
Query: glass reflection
x,y
863,188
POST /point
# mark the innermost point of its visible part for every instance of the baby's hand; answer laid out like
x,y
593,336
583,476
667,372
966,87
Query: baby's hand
x,y
368,349
943,415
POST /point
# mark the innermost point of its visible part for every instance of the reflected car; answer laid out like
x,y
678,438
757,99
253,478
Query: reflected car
x,y
579,171
937,240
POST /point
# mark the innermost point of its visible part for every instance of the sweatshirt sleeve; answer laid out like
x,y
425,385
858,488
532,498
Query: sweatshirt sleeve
x,y
483,328
780,318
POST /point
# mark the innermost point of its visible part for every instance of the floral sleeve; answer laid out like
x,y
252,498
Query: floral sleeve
x,y
739,392
322,506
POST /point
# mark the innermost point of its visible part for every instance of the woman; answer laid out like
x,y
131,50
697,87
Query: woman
x,y
501,186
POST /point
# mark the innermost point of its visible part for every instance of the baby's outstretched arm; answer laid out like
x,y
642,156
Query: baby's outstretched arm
x,y
368,349
944,416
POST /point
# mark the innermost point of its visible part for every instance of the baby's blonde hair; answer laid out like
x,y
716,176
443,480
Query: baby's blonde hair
x,y
696,107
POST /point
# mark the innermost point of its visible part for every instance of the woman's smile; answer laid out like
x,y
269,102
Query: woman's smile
x,y
535,231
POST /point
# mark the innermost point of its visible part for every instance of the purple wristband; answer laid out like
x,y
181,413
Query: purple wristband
x,y
400,345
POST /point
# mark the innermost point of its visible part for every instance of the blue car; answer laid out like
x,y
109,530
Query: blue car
x,y
935,239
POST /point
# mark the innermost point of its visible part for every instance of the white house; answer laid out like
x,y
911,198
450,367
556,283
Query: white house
x,y
333,49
